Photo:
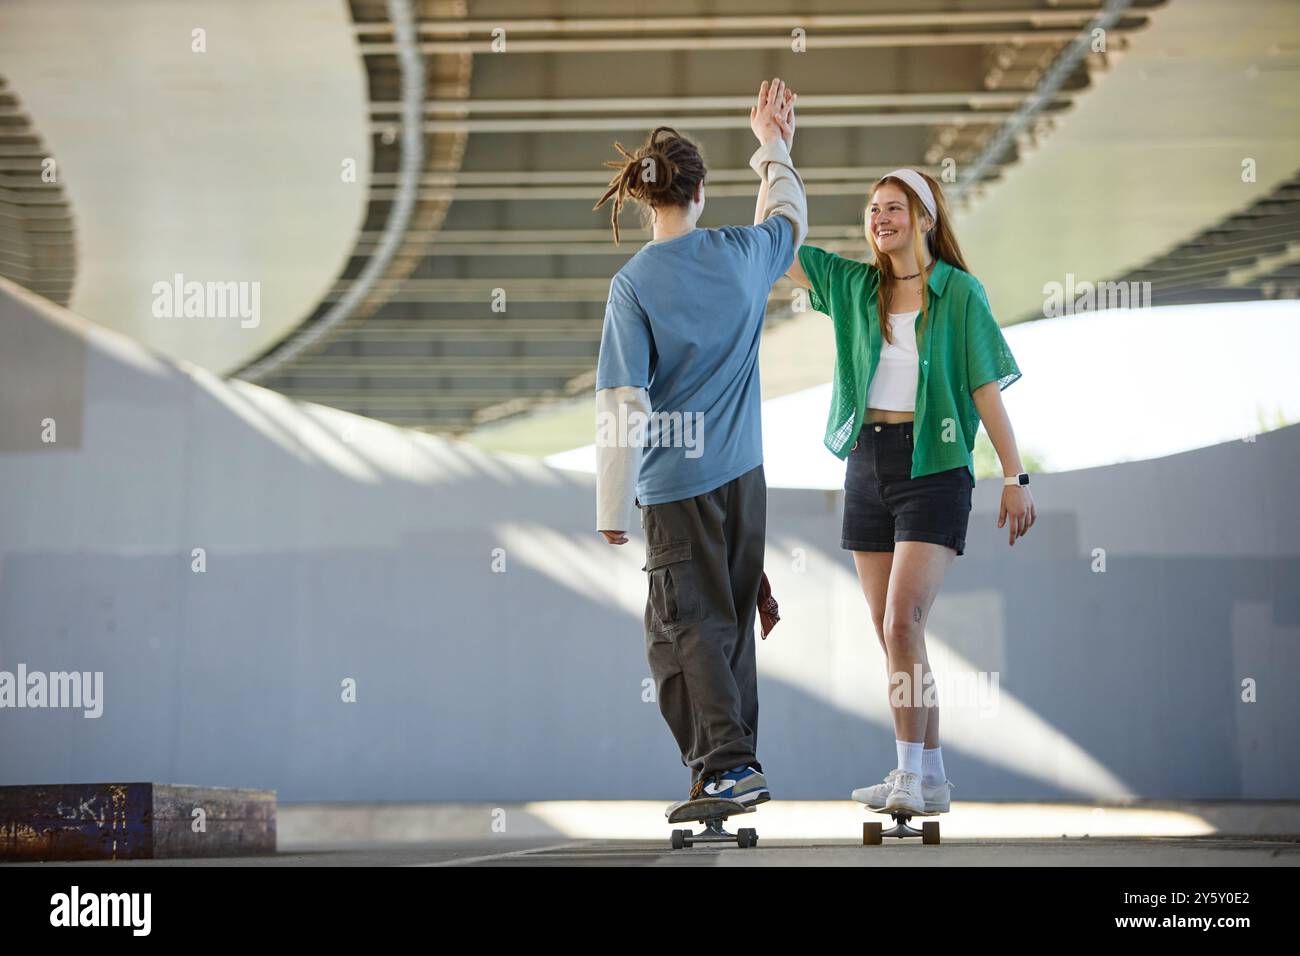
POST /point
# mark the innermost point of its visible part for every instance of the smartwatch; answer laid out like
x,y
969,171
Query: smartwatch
x,y
1020,479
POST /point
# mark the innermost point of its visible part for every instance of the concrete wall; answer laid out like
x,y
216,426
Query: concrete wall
x,y
339,548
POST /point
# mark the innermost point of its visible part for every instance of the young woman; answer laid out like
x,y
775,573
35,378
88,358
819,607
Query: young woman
x,y
920,363
682,330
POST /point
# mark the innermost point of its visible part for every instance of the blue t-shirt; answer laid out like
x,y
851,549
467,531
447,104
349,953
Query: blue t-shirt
x,y
684,319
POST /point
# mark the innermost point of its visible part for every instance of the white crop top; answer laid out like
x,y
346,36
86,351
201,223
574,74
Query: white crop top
x,y
893,386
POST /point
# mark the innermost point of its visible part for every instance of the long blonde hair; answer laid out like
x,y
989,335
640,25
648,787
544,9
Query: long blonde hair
x,y
940,240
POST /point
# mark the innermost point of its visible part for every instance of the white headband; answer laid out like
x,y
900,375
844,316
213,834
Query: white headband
x,y
920,186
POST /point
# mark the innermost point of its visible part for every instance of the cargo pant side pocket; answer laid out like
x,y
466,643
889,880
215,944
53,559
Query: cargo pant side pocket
x,y
674,591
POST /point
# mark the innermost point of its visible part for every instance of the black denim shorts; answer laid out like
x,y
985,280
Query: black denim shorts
x,y
884,504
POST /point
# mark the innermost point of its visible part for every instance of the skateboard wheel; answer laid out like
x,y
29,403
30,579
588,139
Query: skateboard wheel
x,y
871,834
679,839
930,833
746,838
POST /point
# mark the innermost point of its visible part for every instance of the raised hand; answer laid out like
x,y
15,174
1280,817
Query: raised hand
x,y
785,119
772,115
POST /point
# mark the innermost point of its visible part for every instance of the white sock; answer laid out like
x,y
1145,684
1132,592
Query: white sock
x,y
932,767
909,755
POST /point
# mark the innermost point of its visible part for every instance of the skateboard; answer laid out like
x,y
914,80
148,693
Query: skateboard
x,y
710,811
872,833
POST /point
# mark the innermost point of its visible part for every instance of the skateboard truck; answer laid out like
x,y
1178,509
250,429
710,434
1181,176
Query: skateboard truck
x,y
712,812
873,833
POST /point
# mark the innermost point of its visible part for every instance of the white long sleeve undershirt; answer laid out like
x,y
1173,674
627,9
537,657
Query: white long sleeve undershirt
x,y
617,463
786,195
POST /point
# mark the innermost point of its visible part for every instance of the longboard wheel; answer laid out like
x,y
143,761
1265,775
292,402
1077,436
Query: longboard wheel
x,y
871,834
679,839
930,833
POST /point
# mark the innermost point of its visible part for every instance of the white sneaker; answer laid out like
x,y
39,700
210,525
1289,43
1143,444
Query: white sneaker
x,y
937,799
906,794
876,795
936,796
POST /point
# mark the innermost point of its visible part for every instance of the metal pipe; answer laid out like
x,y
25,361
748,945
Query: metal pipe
x,y
1046,90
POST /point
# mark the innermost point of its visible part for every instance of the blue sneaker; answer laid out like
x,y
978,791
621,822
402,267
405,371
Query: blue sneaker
x,y
744,784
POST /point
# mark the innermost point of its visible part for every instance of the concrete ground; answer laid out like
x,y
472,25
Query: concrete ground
x,y
791,833
1135,852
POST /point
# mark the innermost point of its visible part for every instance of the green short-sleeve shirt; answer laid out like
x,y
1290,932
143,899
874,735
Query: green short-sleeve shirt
x,y
960,349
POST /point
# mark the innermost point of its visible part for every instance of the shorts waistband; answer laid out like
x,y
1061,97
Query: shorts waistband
x,y
892,432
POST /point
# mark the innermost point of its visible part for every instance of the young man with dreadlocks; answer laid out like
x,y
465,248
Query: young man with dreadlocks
x,y
680,348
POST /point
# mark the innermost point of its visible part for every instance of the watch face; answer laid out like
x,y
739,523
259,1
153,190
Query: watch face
x,y
1024,479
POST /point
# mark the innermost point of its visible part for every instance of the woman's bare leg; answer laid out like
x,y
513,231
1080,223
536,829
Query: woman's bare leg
x,y
916,574
873,574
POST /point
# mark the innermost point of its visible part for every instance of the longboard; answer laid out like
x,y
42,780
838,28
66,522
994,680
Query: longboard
x,y
710,811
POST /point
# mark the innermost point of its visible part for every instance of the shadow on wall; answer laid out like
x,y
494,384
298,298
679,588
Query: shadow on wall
x,y
232,562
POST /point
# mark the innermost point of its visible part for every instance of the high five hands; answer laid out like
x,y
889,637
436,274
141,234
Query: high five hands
x,y
772,116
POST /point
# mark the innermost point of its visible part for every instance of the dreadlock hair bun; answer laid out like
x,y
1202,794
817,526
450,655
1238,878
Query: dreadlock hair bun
x,y
664,171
